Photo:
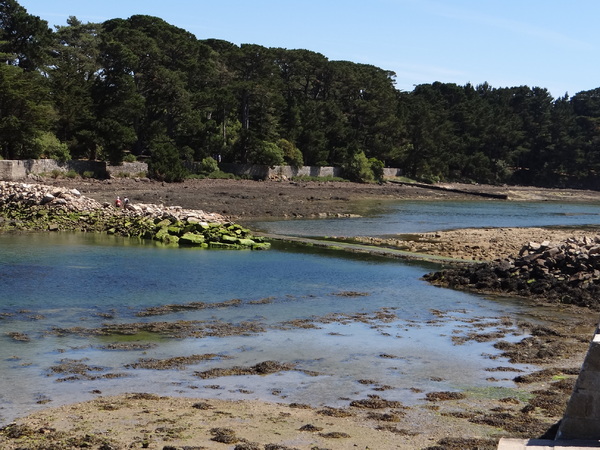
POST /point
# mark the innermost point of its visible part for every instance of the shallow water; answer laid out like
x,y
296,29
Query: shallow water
x,y
52,281
399,217
369,319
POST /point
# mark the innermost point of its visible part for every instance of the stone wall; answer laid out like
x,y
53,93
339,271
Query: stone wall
x,y
14,170
129,169
264,172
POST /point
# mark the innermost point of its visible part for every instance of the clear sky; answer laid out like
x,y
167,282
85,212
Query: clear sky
x,y
548,43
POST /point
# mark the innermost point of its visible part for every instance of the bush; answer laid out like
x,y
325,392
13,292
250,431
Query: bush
x,y
376,168
359,169
208,165
47,145
129,158
88,174
291,154
266,153
165,163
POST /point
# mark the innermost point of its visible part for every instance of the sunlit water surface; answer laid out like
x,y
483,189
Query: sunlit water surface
x,y
397,217
53,282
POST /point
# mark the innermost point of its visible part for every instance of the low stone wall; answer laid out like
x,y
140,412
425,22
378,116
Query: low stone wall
x,y
15,170
128,169
265,172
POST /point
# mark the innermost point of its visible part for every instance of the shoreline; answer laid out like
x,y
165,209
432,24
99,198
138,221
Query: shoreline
x,y
148,421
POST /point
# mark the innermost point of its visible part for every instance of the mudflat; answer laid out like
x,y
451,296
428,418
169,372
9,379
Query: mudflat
x,y
248,200
446,420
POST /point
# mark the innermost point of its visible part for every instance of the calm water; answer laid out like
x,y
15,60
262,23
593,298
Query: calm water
x,y
384,218
60,281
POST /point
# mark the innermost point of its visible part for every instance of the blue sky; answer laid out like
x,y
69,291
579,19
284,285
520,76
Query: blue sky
x,y
548,43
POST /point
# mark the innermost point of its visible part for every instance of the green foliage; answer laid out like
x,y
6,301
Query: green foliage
x,y
359,169
25,112
24,39
292,156
377,168
165,163
266,153
208,165
129,158
48,146
139,86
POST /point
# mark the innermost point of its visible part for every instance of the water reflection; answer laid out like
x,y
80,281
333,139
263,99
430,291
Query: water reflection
x,y
338,317
398,217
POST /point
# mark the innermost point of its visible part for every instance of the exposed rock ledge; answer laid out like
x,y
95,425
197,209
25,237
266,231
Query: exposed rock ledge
x,y
38,207
563,272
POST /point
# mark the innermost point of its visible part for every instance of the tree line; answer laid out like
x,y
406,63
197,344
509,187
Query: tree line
x,y
140,87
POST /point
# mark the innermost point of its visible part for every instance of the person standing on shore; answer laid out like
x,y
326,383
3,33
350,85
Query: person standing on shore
x,y
118,202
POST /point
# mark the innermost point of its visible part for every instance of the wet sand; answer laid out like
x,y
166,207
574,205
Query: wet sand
x,y
442,421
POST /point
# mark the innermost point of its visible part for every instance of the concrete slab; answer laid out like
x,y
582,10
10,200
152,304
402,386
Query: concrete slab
x,y
545,444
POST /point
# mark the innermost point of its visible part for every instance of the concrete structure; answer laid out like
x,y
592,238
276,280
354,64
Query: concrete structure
x,y
14,170
582,416
580,426
265,172
545,444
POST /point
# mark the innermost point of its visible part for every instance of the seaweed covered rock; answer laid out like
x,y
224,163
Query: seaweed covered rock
x,y
566,272
36,207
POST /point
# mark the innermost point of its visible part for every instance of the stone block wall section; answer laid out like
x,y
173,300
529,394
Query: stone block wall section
x,y
582,416
15,170
265,172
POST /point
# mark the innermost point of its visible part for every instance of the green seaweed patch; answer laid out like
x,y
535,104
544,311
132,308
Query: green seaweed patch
x,y
499,393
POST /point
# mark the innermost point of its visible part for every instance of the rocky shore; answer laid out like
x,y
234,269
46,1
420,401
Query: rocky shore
x,y
37,207
472,421
566,272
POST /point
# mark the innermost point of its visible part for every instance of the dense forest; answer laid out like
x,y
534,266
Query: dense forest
x,y
140,87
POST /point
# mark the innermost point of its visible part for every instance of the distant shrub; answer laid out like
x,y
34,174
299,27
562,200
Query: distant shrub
x,y
376,168
266,153
47,145
87,174
71,174
208,165
359,169
291,154
165,163
55,173
129,158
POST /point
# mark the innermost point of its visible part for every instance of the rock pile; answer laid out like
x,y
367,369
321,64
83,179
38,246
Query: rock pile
x,y
39,207
24,194
566,272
